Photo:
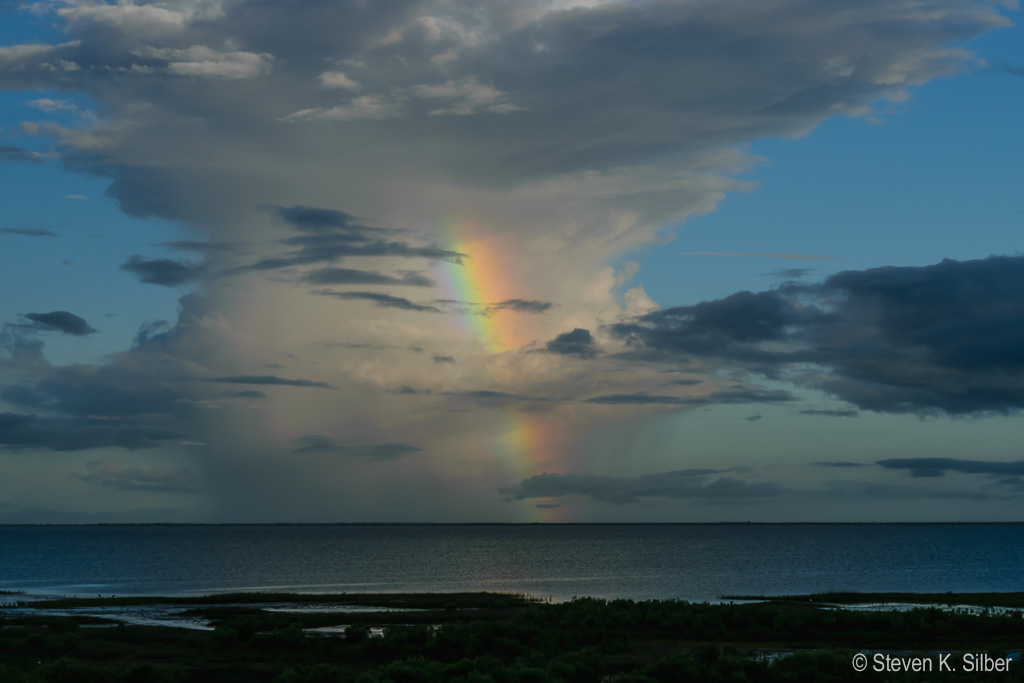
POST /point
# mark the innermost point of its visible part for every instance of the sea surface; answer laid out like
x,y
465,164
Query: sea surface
x,y
691,562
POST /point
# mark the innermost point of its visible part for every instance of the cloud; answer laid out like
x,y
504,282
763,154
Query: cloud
x,y
111,474
245,393
142,20
579,343
685,484
791,273
633,116
268,380
317,443
449,360
28,232
729,396
330,235
50,106
348,276
18,55
381,300
337,79
164,272
941,338
8,153
831,413
459,98
526,306
20,431
374,346
372,107
839,464
464,97
132,400
200,246
61,321
315,219
496,398
199,61
521,306
937,467
792,257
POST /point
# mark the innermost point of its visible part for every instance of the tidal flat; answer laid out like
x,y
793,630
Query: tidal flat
x,y
464,637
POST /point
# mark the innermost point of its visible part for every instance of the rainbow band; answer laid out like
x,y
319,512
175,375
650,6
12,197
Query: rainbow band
x,y
527,442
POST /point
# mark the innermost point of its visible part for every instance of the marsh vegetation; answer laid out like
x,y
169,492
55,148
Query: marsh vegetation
x,y
492,637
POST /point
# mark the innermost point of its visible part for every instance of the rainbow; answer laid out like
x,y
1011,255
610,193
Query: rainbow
x,y
481,279
528,441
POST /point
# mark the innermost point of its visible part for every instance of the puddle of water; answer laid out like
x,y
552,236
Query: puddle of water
x,y
907,606
335,609
174,615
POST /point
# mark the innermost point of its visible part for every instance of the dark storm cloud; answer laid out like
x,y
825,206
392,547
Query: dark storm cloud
x,y
330,235
267,380
130,393
791,273
32,432
313,219
942,338
522,306
328,248
149,331
28,232
200,246
937,467
127,390
438,358
245,393
164,272
347,276
579,343
18,154
371,346
61,321
317,443
692,484
753,418
112,475
380,300
488,397
726,327
686,382
728,396
528,306
831,413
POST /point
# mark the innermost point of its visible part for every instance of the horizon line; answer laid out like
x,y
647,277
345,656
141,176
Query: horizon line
x,y
750,523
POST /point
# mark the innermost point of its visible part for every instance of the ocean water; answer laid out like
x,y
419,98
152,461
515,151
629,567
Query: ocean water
x,y
691,562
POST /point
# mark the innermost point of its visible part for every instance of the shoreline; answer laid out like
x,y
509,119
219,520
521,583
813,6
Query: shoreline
x,y
304,637
472,599
489,524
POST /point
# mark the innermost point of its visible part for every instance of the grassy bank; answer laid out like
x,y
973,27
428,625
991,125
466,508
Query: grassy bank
x,y
491,637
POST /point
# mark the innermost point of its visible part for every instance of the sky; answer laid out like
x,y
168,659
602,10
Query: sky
x,y
545,261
